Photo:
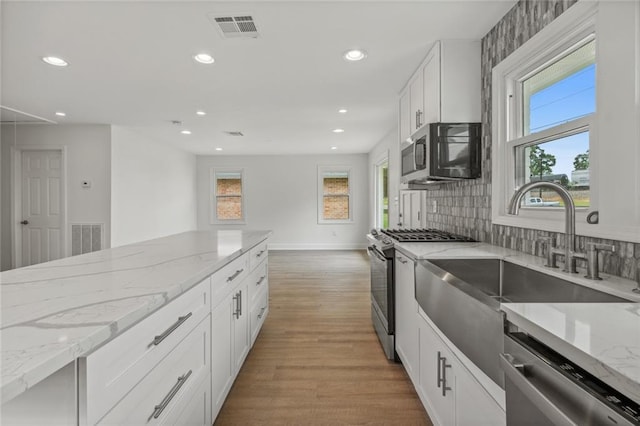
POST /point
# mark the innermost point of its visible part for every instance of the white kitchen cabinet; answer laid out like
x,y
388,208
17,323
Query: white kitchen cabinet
x,y
437,382
411,215
229,343
431,86
404,123
416,100
165,392
237,319
241,332
109,373
406,331
450,393
222,363
445,88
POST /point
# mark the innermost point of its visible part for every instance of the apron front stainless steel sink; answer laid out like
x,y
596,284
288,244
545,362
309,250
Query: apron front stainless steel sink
x,y
462,297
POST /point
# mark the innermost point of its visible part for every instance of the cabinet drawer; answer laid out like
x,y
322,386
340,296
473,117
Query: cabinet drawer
x,y
169,387
110,372
225,279
259,313
257,281
196,411
257,254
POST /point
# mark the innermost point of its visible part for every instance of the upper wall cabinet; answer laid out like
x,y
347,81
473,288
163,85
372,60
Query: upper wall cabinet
x,y
445,88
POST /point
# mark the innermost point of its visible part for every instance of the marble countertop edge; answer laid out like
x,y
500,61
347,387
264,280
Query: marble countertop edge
x,y
33,371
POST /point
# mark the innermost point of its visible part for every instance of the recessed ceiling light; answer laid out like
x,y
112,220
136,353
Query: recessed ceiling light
x,y
334,147
342,111
55,61
204,58
355,55
186,132
201,112
218,149
61,114
338,130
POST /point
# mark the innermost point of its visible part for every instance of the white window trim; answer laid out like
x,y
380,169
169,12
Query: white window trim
x,y
576,24
378,208
321,171
213,219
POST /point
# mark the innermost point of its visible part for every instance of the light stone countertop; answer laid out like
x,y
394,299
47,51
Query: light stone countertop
x,y
55,312
602,338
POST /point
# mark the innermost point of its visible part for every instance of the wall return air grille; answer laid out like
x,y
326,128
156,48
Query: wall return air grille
x,y
86,237
237,26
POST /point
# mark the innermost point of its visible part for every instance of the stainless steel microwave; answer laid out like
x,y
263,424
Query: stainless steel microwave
x,y
443,151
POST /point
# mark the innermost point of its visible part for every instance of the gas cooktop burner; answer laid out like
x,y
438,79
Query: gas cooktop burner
x,y
425,235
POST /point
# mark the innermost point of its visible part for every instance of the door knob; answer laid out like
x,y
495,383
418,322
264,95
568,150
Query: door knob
x,y
25,222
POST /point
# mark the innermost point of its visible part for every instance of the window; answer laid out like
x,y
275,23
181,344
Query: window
x,y
335,200
227,196
544,104
552,141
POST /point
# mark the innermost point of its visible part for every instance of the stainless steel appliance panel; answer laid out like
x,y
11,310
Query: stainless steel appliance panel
x,y
540,390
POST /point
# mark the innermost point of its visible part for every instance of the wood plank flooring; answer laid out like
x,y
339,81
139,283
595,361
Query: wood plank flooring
x,y
317,359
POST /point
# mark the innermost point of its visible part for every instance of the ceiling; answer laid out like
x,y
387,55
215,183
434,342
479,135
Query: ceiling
x,y
131,64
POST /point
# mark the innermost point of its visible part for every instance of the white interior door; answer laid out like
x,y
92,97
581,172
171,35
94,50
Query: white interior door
x,y
42,204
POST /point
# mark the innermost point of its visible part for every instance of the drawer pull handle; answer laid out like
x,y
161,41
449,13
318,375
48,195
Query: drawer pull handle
x,y
167,399
261,313
261,279
233,277
260,253
168,331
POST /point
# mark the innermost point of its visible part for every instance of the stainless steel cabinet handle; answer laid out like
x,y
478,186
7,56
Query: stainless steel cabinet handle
x,y
168,331
376,253
262,278
233,277
401,260
517,374
240,303
439,379
24,222
167,399
261,313
236,312
260,253
443,379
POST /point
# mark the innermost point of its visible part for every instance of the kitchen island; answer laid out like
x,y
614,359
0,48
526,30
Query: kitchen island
x,y
56,313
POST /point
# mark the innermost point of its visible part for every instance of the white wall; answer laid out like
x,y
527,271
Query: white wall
x,y
281,194
87,158
153,188
390,147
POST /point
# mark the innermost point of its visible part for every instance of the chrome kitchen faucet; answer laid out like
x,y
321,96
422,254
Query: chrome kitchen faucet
x,y
569,253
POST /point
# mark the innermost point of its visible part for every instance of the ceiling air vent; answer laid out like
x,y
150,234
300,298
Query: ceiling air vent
x,y
236,133
241,26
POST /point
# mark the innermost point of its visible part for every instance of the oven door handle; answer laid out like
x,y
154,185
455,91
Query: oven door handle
x,y
377,253
516,372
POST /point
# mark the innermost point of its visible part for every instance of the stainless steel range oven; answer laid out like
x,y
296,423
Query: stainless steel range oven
x,y
381,252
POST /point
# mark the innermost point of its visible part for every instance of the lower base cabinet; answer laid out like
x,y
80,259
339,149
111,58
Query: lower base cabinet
x,y
230,343
450,393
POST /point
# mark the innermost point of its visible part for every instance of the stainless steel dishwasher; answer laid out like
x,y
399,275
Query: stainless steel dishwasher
x,y
544,388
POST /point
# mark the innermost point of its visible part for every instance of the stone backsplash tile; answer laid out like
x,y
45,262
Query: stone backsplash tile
x,y
465,207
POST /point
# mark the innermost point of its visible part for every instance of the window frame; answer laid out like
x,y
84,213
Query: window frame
x,y
572,29
213,202
321,172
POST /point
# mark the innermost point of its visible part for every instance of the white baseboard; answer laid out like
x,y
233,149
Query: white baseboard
x,y
317,246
